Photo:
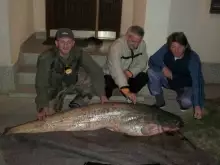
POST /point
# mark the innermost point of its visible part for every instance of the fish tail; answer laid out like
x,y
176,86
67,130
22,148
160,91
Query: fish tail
x,y
6,130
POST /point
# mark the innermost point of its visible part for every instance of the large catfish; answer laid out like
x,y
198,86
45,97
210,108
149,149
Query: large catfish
x,y
131,119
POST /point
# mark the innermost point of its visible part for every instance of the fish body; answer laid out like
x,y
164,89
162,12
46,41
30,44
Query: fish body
x,y
131,119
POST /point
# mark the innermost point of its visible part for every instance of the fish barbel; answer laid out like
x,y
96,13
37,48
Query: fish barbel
x,y
131,119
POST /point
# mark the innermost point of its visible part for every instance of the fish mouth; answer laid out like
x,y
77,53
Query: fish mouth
x,y
174,126
170,129
154,129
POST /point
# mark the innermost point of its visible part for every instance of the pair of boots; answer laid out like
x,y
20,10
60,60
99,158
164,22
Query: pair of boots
x,y
160,102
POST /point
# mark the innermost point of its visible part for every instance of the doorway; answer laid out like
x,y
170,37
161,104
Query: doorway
x,y
100,18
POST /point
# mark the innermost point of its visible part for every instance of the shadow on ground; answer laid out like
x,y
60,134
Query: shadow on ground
x,y
99,146
205,133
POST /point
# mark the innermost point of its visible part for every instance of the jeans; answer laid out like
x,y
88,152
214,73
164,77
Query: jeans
x,y
157,80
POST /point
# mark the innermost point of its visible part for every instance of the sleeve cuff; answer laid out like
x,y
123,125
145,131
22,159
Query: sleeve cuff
x,y
125,90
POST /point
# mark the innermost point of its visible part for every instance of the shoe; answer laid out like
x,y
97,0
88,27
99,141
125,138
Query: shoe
x,y
160,102
128,100
159,106
183,109
72,105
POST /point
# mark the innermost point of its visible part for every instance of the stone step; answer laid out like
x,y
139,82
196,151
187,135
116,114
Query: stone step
x,y
32,47
28,91
31,58
26,77
26,81
26,72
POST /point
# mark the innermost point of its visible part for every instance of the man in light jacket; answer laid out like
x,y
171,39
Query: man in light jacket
x,y
126,64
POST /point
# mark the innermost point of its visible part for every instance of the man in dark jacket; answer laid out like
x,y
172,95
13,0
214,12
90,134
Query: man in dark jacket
x,y
57,69
176,66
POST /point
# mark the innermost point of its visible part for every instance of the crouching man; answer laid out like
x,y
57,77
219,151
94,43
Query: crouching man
x,y
126,64
177,67
57,71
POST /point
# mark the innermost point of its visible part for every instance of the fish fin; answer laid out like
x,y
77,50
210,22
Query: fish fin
x,y
128,136
113,129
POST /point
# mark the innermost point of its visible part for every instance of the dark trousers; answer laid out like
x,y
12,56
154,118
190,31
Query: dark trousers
x,y
135,84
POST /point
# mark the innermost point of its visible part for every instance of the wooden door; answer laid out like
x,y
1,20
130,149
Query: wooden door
x,y
80,15
73,14
110,12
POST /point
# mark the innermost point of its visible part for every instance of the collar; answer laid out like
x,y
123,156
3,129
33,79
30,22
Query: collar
x,y
125,42
177,58
65,59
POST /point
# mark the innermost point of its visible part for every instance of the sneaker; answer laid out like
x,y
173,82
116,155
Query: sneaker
x,y
159,106
183,109
128,100
72,105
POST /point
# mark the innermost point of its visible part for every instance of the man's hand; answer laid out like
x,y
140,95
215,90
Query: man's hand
x,y
132,97
198,113
167,73
129,94
128,74
103,99
43,113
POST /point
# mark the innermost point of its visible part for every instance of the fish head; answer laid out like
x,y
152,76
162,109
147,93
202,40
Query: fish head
x,y
156,120
161,122
160,117
169,120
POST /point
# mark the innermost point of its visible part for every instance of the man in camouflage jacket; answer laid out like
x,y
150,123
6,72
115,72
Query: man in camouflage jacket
x,y
58,68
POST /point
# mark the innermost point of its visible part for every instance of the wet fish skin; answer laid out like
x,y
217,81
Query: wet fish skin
x,y
131,119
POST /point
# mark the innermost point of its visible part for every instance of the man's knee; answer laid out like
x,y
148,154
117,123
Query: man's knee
x,y
153,75
154,83
141,76
109,85
185,103
109,82
138,82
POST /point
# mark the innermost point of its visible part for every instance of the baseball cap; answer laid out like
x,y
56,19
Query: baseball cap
x,y
64,32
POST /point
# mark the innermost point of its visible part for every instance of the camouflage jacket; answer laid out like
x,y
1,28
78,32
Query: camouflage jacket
x,y
51,69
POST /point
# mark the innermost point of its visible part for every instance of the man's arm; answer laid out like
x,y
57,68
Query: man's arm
x,y
156,60
197,80
140,63
41,82
114,65
95,72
